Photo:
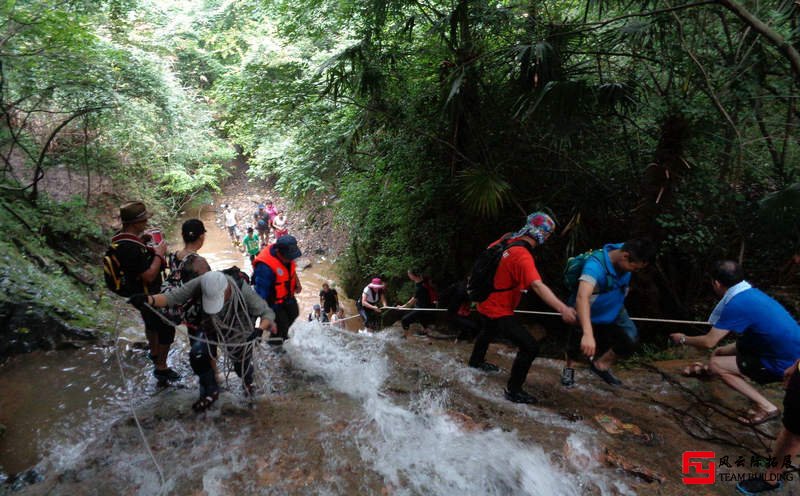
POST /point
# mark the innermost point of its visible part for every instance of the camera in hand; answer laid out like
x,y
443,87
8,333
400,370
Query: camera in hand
x,y
153,237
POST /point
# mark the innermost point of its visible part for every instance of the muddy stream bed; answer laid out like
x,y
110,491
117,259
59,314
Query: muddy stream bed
x,y
343,412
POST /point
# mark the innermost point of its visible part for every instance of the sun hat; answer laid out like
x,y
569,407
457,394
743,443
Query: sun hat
x,y
213,285
287,246
538,225
133,212
376,283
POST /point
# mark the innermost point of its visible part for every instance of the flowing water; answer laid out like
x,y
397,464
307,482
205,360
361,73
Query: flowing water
x,y
339,412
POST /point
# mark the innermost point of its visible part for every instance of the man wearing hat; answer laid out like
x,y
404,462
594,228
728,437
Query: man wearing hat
x,y
229,310
275,280
516,273
143,265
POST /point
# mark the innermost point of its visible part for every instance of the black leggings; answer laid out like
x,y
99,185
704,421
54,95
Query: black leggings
x,y
424,318
509,328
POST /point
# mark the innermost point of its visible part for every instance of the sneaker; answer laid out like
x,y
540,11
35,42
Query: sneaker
x,y
166,374
755,486
486,367
606,375
520,397
568,377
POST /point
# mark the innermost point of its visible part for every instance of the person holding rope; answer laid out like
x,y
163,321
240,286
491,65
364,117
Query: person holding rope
x,y
605,330
374,294
229,310
768,339
275,280
516,273
421,299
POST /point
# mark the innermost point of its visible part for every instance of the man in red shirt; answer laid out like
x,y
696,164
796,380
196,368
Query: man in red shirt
x,y
516,273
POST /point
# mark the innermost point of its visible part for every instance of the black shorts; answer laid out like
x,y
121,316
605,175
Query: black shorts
x,y
791,404
751,366
153,323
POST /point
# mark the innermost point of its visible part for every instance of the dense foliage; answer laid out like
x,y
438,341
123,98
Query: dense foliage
x,y
436,125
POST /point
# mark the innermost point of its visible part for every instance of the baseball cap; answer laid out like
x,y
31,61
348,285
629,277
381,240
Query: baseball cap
x,y
287,246
213,285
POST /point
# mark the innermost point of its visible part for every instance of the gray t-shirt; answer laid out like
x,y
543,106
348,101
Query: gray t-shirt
x,y
256,306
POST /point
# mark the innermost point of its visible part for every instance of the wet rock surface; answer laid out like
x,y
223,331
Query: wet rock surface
x,y
25,327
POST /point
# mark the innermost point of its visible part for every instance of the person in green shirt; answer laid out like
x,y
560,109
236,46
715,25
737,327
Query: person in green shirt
x,y
251,244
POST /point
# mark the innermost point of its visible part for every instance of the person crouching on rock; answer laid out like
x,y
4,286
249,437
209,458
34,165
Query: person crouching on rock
x,y
229,310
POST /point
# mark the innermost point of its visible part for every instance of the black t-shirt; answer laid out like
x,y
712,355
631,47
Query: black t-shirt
x,y
422,296
134,259
329,296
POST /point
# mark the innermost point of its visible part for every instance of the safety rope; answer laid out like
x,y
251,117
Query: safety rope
x,y
133,409
534,312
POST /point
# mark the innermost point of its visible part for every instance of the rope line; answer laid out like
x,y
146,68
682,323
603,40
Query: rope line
x,y
534,312
133,409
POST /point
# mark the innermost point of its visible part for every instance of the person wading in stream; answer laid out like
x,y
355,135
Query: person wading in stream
x,y
768,339
229,309
275,280
144,265
605,330
516,273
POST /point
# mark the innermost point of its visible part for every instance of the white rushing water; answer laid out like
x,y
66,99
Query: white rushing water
x,y
419,449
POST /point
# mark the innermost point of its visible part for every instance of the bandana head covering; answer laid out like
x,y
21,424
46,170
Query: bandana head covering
x,y
538,225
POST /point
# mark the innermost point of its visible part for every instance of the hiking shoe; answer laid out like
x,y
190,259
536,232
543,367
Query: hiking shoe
x,y
520,397
606,375
567,377
486,367
166,375
755,486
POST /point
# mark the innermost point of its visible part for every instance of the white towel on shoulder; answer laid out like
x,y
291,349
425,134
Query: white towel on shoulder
x,y
728,296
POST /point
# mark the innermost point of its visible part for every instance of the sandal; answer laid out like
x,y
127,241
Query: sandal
x,y
698,370
204,403
758,417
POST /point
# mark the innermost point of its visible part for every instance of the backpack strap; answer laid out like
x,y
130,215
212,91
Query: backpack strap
x,y
506,246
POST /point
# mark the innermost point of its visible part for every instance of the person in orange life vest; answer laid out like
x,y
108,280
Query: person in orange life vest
x,y
147,262
517,272
275,280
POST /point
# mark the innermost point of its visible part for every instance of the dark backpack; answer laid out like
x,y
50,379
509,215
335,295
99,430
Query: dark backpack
x,y
481,279
574,269
237,275
116,279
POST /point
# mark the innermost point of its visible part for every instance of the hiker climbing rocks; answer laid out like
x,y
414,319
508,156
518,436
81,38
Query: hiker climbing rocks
x,y
262,222
768,339
422,298
251,244
229,310
230,224
279,224
605,330
275,280
141,268
515,273
374,294
329,299
788,442
317,315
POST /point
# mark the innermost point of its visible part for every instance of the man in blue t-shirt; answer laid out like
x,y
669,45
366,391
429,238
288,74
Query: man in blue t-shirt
x,y
768,338
605,330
